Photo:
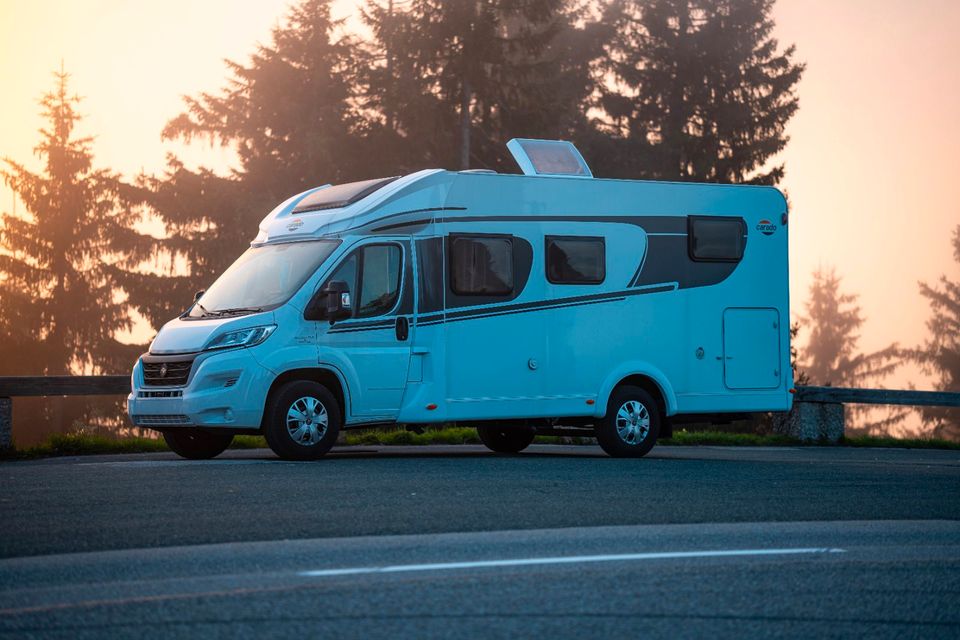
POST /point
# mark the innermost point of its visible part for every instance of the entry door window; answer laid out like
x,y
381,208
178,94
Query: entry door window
x,y
372,275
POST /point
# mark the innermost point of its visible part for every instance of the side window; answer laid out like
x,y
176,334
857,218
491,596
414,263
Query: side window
x,y
481,265
372,274
347,272
575,260
379,280
715,239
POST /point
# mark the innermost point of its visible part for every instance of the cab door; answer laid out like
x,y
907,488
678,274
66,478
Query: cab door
x,y
372,347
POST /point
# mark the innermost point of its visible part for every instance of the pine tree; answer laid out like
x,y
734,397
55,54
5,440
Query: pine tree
x,y
59,263
289,115
456,80
940,354
831,356
696,90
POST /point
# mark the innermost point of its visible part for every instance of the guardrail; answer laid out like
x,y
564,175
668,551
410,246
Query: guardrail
x,y
843,395
817,414
27,386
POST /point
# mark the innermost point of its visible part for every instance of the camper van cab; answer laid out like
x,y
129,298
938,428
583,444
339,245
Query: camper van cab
x,y
547,302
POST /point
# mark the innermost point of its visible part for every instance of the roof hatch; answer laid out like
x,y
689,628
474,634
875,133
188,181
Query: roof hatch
x,y
340,195
548,158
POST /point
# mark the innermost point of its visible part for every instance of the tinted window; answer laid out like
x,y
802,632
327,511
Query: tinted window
x,y
347,272
575,260
379,280
718,239
372,275
340,195
481,265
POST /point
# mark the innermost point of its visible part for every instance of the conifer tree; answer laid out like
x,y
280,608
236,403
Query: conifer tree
x,y
831,356
696,90
59,263
289,115
456,80
939,356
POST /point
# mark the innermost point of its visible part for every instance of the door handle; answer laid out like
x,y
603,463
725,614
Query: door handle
x,y
403,328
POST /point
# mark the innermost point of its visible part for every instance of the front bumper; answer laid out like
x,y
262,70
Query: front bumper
x,y
224,389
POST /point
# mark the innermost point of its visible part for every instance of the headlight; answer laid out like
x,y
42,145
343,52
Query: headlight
x,y
241,338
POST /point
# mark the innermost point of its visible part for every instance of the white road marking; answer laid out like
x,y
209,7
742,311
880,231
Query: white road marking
x,y
522,562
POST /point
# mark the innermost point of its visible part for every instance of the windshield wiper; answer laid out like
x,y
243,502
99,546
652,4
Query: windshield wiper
x,y
204,310
238,310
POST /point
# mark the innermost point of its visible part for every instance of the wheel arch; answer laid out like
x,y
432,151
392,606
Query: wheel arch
x,y
647,378
329,378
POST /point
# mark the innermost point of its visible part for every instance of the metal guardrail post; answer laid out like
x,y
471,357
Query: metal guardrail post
x,y
6,423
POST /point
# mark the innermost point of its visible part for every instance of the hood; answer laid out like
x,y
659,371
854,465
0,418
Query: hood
x,y
190,336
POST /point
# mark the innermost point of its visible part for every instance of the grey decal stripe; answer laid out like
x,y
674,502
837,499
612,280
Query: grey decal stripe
x,y
363,326
545,305
650,224
404,213
503,310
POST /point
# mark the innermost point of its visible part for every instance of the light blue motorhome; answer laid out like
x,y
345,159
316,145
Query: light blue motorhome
x,y
548,302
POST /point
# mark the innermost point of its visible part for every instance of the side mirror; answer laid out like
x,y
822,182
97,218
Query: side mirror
x,y
199,294
332,302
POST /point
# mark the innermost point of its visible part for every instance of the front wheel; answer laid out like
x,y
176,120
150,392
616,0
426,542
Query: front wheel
x,y
631,425
195,444
506,439
302,420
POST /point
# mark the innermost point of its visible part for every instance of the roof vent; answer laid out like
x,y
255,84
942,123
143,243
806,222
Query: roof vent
x,y
548,158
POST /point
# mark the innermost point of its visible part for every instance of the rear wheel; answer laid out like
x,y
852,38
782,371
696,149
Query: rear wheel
x,y
631,425
505,438
302,420
195,444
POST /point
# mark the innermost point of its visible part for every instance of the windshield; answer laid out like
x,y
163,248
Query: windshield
x,y
263,277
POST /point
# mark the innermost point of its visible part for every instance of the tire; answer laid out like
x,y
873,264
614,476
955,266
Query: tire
x,y
196,444
631,425
294,438
506,438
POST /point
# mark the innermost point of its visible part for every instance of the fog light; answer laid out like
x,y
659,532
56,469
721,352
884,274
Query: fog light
x,y
228,415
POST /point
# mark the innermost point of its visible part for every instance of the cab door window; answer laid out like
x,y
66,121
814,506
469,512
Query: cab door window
x,y
372,274
379,280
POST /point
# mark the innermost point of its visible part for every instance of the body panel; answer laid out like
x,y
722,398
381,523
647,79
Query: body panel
x,y
548,350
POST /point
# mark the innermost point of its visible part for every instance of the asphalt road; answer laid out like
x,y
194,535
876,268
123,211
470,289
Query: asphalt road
x,y
456,542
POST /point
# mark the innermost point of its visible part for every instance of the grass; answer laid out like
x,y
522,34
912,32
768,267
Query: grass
x,y
902,443
447,435
725,439
79,444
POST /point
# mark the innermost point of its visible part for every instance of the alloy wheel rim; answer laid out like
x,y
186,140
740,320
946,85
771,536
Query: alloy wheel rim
x,y
633,422
307,421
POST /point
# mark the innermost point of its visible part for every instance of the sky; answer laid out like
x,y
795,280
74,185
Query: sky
x,y
870,167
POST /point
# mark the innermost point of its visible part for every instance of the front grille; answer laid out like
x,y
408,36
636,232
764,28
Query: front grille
x,y
156,420
166,374
160,394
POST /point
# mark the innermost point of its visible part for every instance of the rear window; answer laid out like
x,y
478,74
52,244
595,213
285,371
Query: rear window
x,y
340,195
716,239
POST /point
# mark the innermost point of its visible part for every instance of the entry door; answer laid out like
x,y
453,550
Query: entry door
x,y
375,342
751,348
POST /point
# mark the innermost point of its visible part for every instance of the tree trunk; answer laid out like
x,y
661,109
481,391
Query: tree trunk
x,y
465,124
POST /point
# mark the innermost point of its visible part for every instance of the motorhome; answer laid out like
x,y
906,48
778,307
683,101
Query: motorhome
x,y
547,301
